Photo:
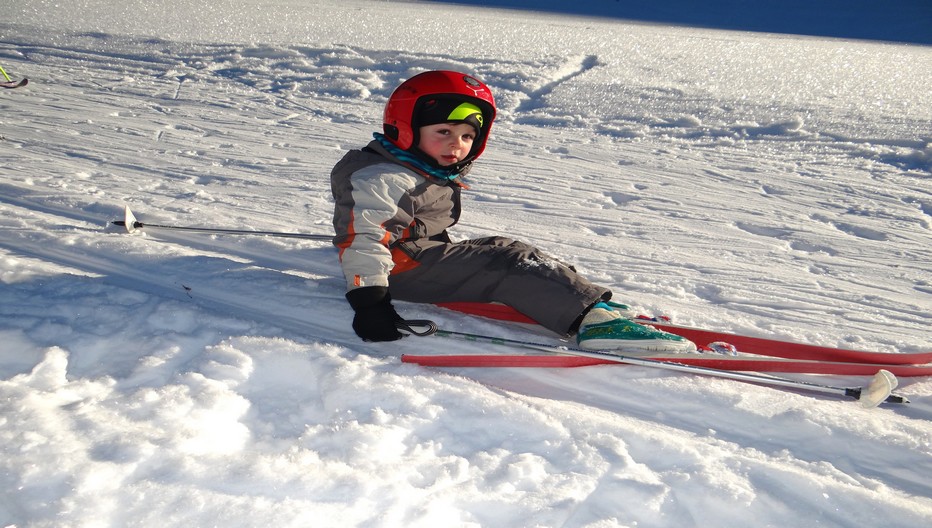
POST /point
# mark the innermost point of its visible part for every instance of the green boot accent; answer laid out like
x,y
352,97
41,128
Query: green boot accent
x,y
604,329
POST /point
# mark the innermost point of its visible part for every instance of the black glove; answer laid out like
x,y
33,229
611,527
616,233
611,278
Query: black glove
x,y
375,316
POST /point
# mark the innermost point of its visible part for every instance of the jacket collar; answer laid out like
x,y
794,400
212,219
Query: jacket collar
x,y
442,175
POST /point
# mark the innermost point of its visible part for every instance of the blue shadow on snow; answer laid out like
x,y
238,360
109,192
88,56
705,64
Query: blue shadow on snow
x,y
905,21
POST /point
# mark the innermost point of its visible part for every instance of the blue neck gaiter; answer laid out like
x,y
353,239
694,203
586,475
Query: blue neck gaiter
x,y
441,173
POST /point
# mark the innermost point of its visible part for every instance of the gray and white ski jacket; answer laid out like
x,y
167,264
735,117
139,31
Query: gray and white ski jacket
x,y
381,203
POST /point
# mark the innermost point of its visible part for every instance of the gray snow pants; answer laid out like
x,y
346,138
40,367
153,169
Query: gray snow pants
x,y
496,269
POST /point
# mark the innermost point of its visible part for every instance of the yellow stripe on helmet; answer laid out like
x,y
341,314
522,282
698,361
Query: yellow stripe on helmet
x,y
464,111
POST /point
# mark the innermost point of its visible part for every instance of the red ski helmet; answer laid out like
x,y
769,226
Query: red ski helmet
x,y
406,110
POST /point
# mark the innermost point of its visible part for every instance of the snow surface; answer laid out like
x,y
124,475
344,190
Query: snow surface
x,y
773,185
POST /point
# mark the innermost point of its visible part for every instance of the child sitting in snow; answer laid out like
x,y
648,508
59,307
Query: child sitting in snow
x,y
395,200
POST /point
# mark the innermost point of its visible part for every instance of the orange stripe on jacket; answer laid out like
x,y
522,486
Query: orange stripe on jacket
x,y
350,236
403,262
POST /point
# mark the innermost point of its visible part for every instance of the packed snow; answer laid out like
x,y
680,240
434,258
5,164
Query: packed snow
x,y
773,185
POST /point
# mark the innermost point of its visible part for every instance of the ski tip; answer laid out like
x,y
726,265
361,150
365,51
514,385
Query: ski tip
x,y
129,220
879,389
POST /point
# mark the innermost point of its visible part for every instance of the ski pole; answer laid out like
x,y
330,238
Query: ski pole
x,y
131,225
878,391
5,76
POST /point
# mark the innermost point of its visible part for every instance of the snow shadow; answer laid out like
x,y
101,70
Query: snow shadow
x,y
907,21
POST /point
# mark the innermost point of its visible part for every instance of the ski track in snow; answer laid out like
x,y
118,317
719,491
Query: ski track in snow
x,y
178,379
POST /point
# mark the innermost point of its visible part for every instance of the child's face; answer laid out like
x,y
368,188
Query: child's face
x,y
447,143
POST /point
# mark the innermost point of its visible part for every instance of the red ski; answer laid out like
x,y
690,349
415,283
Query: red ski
x,y
712,361
747,344
879,390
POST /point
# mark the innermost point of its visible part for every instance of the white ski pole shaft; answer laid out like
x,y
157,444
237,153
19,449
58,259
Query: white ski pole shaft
x,y
877,392
131,224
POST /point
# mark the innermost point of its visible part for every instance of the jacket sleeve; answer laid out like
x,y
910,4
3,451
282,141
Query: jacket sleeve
x,y
371,219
